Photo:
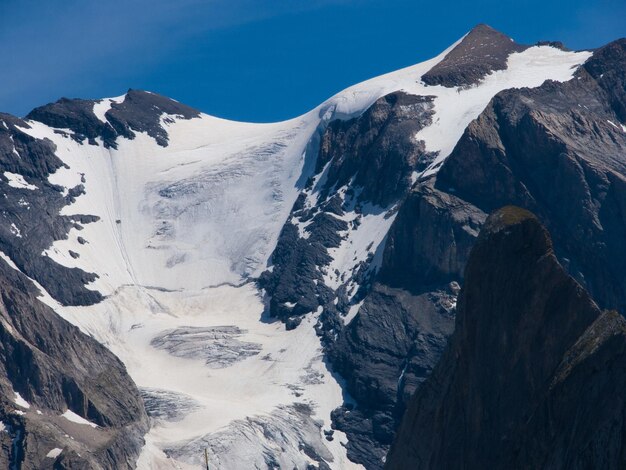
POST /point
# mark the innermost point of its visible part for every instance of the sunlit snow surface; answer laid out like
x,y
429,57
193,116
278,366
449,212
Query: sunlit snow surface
x,y
183,228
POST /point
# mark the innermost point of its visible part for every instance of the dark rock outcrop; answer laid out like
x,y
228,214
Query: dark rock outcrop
x,y
376,152
430,242
373,158
140,111
482,51
404,323
54,368
384,354
534,372
31,219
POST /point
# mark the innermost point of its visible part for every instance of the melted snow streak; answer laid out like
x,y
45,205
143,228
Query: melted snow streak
x,y
194,221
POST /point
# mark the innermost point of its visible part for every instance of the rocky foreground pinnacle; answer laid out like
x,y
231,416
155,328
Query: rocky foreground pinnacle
x,y
534,373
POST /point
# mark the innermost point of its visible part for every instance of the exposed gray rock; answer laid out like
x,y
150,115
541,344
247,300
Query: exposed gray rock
x,y
430,241
34,214
553,151
377,151
404,323
534,372
54,367
383,354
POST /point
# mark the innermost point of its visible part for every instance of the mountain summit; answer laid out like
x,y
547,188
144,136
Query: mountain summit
x,y
482,51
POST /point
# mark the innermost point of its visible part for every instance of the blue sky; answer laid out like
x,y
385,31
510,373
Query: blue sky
x,y
255,60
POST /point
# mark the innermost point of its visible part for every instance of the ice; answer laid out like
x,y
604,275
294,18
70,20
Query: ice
x,y
204,402
218,346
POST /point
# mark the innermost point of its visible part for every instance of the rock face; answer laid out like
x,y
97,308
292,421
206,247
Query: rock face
x,y
48,367
376,152
404,323
30,212
558,150
364,167
384,353
482,51
431,240
533,374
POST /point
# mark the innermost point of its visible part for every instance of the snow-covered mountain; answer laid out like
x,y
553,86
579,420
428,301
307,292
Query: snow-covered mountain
x,y
179,240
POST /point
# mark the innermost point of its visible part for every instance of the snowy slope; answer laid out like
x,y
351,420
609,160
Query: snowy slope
x,y
183,228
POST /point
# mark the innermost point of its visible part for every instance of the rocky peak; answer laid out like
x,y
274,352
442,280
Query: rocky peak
x,y
482,51
139,111
533,372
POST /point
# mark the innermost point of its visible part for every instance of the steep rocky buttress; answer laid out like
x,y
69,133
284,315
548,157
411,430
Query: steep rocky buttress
x,y
534,372
47,368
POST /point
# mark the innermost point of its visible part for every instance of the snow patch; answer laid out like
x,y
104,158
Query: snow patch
x,y
54,453
352,312
15,231
366,231
101,107
621,126
455,108
19,401
17,181
74,418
